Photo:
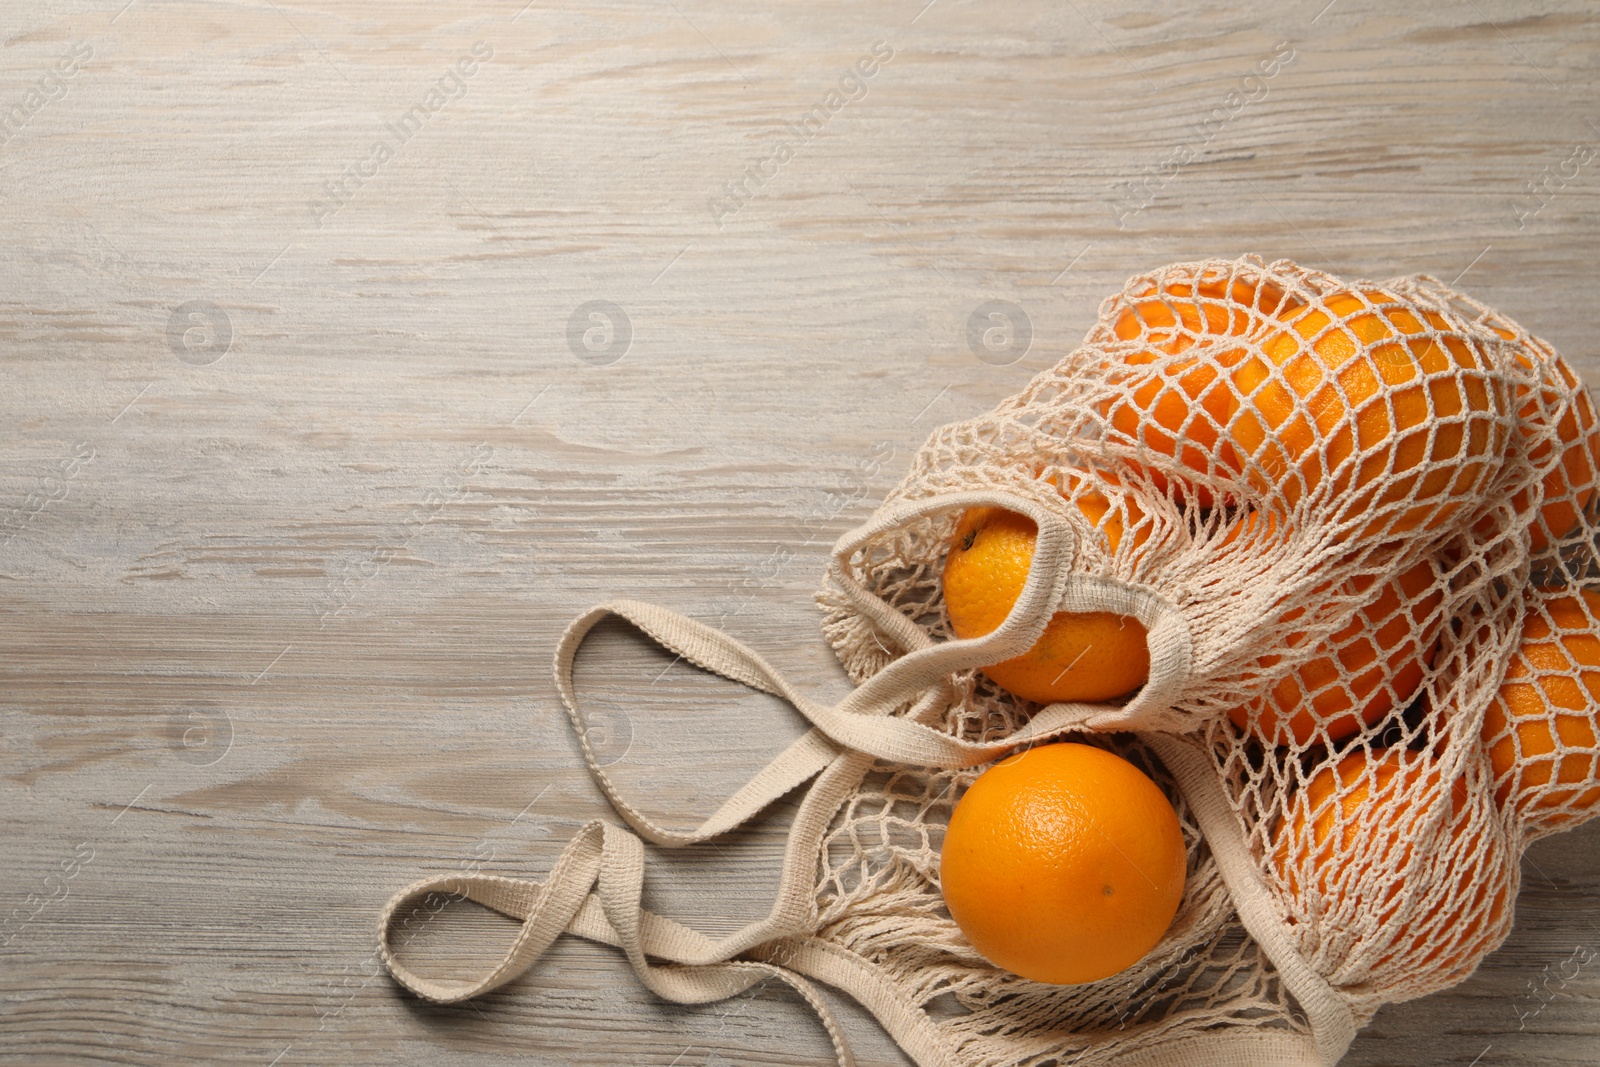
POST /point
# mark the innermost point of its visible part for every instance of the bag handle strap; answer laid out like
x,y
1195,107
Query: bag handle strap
x,y
864,721
595,887
1333,1025
714,651
1051,582
594,890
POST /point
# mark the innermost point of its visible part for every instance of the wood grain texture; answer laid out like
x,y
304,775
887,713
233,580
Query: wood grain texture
x,y
276,621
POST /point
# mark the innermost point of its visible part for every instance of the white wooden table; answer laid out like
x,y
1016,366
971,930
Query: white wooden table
x,y
314,438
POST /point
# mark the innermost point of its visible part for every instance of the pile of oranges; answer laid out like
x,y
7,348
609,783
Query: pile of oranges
x,y
1376,419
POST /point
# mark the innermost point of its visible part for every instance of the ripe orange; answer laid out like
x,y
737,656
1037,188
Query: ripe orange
x,y
1351,392
1570,483
1384,649
1354,821
1063,864
1081,656
1540,728
1190,400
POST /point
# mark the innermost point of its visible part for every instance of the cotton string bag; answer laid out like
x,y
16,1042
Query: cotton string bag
x,y
1311,493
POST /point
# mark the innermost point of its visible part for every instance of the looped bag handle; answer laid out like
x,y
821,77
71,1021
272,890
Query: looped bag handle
x,y
595,887
864,721
594,891
1051,585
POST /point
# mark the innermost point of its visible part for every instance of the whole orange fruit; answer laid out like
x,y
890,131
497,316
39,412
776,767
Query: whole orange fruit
x,y
1362,672
1081,656
1354,393
1064,863
1180,408
1540,728
1350,839
1569,485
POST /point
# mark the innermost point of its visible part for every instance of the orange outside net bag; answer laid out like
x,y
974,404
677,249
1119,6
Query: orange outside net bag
x,y
1355,521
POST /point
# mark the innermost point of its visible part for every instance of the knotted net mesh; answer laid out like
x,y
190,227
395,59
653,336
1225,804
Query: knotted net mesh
x,y
1373,506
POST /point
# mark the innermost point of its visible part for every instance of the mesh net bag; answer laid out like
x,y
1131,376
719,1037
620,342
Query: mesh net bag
x,y
1355,522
